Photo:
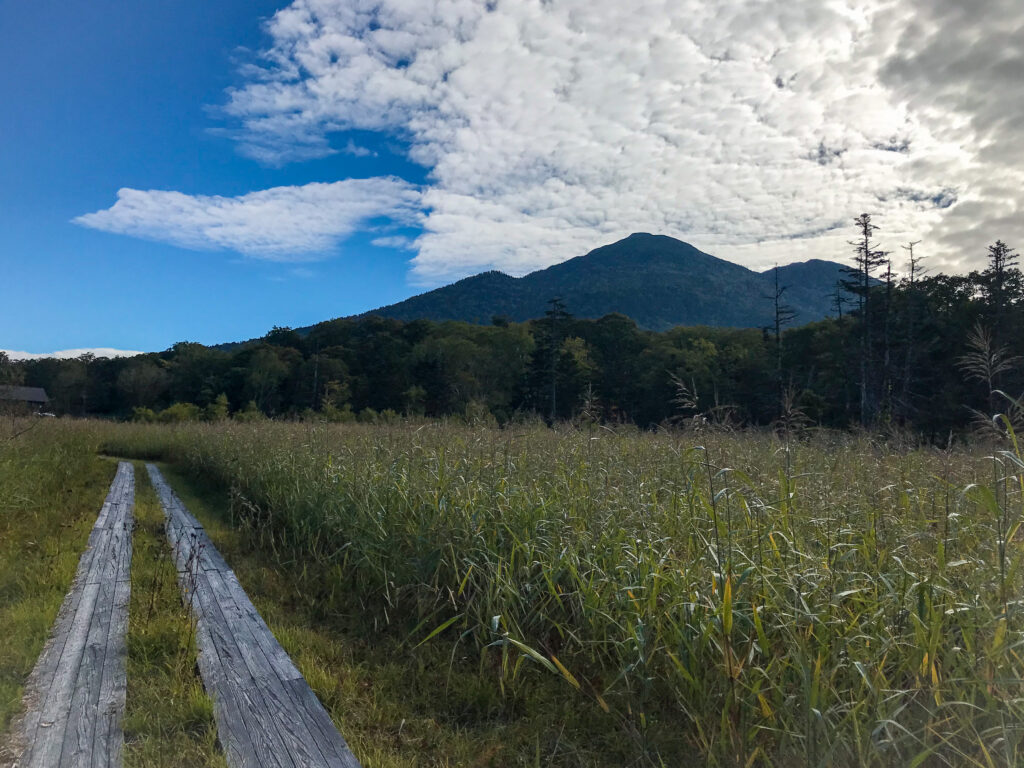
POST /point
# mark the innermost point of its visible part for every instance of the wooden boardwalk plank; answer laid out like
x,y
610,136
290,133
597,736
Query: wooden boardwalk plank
x,y
106,744
267,715
75,695
293,731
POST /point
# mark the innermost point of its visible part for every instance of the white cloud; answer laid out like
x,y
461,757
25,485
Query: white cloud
x,y
351,148
64,354
281,224
756,130
393,241
751,129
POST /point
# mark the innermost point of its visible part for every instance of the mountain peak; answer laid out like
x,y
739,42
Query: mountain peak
x,y
657,280
651,239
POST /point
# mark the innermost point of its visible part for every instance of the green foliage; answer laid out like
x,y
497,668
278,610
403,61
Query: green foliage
x,y
143,383
179,413
217,410
250,413
478,414
143,415
889,362
337,415
368,416
10,374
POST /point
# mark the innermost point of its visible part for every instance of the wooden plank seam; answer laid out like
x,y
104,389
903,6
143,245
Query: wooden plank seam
x,y
267,715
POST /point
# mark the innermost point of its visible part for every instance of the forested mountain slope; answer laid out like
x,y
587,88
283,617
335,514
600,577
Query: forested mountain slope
x,y
658,281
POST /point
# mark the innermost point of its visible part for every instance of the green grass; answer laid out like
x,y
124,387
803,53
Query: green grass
x,y
643,598
52,485
168,717
396,705
476,597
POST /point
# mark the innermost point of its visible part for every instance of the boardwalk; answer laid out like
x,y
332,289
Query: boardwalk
x,y
267,715
75,696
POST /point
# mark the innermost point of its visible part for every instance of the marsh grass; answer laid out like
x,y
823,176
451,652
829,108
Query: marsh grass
x,y
169,717
399,706
52,486
735,599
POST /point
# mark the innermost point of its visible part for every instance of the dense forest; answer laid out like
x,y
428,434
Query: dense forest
x,y
931,352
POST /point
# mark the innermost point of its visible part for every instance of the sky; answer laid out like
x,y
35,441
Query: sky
x,y
181,170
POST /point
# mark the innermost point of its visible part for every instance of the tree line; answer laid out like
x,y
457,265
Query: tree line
x,y
933,352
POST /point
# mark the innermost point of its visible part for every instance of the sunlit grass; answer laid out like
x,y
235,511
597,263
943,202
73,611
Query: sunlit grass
x,y
52,485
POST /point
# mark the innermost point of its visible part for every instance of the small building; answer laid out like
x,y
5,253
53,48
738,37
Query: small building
x,y
32,398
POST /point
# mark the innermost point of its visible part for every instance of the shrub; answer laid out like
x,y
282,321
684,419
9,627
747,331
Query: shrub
x,y
218,409
180,413
250,413
143,415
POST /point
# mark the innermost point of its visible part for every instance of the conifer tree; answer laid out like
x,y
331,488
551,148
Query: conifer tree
x,y
913,300
860,281
997,281
784,314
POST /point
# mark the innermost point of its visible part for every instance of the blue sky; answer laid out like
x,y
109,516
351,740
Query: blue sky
x,y
205,170
104,95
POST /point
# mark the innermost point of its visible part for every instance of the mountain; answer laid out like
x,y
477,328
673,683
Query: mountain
x,y
658,281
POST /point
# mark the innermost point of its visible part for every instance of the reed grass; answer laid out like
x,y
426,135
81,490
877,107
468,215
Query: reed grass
x,y
735,599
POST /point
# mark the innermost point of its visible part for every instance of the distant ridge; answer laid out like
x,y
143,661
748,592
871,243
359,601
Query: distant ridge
x,y
658,281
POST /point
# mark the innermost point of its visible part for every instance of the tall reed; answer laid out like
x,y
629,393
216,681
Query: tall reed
x,y
822,600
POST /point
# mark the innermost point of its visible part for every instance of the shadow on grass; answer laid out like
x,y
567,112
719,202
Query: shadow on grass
x,y
398,705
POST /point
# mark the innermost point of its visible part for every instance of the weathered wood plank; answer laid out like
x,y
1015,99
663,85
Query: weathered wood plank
x,y
278,657
106,750
64,694
331,742
48,741
78,734
256,718
293,731
267,715
234,736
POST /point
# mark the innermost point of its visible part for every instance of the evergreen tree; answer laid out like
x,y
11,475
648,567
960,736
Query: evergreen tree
x,y
999,281
860,282
784,314
914,307
550,332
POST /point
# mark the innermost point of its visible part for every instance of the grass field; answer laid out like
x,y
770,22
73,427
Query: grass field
x,y
473,596
52,485
724,597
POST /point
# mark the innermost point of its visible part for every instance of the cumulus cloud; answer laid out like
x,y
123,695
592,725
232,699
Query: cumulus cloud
x,y
65,354
755,130
960,68
281,224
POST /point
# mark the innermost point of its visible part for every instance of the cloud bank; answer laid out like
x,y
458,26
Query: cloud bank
x,y
65,354
281,224
754,130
